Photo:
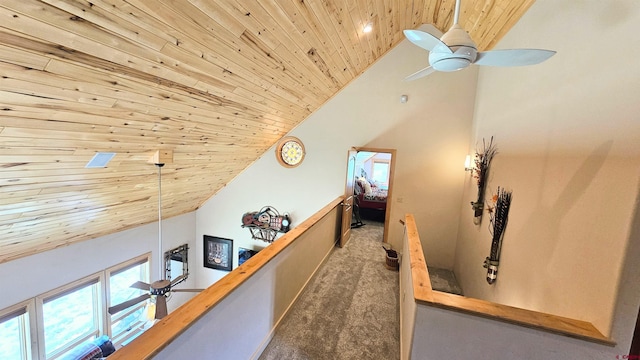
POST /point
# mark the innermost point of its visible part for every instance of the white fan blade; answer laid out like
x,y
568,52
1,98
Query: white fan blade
x,y
426,41
513,57
420,73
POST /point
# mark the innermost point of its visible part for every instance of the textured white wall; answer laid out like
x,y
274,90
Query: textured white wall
x,y
568,138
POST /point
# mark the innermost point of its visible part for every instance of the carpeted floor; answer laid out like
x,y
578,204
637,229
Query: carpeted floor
x,y
349,310
444,280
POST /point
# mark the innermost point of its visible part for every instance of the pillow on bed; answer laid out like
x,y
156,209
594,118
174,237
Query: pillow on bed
x,y
367,188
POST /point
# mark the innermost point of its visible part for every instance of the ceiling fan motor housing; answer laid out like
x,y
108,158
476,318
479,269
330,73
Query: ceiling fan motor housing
x,y
463,48
160,287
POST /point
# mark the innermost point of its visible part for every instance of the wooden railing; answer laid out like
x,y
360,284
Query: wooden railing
x,y
168,329
423,293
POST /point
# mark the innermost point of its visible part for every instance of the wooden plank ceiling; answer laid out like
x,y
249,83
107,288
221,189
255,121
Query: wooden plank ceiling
x,y
216,81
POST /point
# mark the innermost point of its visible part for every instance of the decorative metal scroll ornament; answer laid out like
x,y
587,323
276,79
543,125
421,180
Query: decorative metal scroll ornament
x,y
499,215
266,223
481,172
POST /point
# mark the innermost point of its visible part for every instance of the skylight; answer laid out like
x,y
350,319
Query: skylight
x,y
100,160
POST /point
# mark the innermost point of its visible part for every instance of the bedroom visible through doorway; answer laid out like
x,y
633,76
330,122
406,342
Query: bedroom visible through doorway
x,y
373,185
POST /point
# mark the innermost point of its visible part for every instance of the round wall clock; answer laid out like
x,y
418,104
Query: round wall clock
x,y
290,151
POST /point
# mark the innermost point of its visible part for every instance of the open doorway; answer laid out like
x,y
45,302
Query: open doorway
x,y
373,187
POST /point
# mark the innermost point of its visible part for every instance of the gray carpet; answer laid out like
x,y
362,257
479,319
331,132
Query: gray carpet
x,y
444,280
349,310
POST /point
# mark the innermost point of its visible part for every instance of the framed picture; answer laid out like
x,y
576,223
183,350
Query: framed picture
x,y
218,253
245,254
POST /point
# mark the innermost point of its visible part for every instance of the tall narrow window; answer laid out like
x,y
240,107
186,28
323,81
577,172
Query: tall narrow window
x,y
71,317
15,340
381,173
128,322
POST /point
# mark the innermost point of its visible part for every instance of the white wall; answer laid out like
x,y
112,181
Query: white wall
x,y
430,133
31,276
446,334
568,138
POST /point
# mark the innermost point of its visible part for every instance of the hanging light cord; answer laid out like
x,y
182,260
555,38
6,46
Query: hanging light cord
x,y
160,267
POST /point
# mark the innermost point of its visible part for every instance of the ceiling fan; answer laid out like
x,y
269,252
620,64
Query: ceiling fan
x,y
160,288
455,50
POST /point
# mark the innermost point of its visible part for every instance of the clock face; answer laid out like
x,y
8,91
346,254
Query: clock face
x,y
290,151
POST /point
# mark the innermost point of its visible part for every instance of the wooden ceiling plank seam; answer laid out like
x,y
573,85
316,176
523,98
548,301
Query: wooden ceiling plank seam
x,y
395,29
41,90
22,58
126,13
194,19
124,147
11,98
353,12
384,24
258,104
114,94
309,30
293,85
208,110
316,12
239,12
418,9
515,12
175,96
150,138
120,28
84,43
375,37
183,69
193,125
348,32
92,62
290,43
220,16
349,38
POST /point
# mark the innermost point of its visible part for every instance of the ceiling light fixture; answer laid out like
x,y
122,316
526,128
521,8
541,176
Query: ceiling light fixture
x,y
367,28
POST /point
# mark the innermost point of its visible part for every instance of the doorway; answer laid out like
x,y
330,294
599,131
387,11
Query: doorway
x,y
373,186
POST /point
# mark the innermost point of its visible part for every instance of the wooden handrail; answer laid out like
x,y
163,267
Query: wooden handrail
x,y
423,293
166,330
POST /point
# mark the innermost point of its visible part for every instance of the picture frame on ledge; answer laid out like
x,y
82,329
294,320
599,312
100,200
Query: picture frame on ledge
x,y
218,253
245,254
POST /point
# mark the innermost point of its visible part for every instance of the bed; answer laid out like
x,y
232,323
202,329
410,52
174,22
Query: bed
x,y
369,195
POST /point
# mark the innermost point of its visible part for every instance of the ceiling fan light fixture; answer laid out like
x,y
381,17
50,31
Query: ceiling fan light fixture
x,y
461,57
451,64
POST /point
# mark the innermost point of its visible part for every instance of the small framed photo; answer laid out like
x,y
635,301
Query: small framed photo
x,y
244,255
218,253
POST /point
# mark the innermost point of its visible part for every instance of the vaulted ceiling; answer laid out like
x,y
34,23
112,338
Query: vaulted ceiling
x,y
218,82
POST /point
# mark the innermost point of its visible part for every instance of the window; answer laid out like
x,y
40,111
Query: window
x,y
127,323
15,332
51,325
71,316
381,173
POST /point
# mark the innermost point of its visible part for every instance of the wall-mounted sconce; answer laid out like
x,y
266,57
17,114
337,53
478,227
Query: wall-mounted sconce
x,y
467,164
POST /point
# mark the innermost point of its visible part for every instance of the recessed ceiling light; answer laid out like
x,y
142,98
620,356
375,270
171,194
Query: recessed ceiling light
x,y
100,160
367,28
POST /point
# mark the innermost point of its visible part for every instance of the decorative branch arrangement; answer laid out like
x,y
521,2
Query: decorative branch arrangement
x,y
481,172
499,215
